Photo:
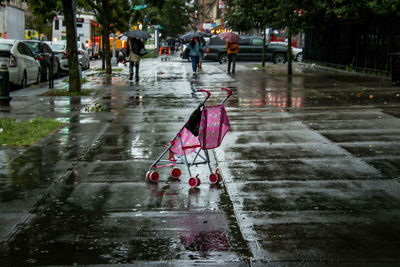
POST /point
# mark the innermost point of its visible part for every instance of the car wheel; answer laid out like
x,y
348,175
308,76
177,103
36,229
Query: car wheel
x,y
23,81
223,58
38,77
279,58
299,57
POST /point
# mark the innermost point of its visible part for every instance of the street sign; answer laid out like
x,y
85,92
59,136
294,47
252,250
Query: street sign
x,y
139,7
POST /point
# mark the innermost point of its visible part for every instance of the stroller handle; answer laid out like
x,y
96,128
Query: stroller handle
x,y
207,92
229,94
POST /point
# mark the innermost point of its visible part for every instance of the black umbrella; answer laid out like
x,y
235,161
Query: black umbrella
x,y
138,34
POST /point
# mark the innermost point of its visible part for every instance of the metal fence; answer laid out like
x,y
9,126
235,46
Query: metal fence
x,y
362,47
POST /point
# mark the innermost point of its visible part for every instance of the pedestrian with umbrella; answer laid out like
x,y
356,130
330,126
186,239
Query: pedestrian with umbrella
x,y
135,50
232,47
195,52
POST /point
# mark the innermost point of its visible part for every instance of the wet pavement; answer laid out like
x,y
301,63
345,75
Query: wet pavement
x,y
310,172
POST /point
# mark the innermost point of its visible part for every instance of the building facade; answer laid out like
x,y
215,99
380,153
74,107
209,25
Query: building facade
x,y
12,20
211,16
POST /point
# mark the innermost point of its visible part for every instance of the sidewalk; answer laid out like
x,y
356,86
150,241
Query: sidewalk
x,y
309,169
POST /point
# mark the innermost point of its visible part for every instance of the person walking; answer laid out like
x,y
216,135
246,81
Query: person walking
x,y
202,51
233,49
133,50
194,53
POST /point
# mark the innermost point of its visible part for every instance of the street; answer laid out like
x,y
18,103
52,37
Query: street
x,y
309,167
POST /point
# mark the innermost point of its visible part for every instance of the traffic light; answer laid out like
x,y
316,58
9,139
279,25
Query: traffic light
x,y
195,14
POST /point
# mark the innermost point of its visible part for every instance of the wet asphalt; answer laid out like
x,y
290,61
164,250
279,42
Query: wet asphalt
x,y
310,171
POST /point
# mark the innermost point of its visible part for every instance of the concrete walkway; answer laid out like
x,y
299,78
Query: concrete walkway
x,y
310,172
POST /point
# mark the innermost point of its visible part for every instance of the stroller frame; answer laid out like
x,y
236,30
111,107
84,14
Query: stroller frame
x,y
175,158
165,53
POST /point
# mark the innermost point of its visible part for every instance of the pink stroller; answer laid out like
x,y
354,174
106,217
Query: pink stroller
x,y
204,130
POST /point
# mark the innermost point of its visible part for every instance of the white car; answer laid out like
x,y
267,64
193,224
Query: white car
x,y
60,49
297,52
83,56
22,66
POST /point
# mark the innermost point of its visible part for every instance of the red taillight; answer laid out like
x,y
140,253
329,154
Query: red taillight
x,y
207,50
41,58
13,61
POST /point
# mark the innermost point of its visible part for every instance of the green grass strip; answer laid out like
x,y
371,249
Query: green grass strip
x,y
85,92
103,70
23,133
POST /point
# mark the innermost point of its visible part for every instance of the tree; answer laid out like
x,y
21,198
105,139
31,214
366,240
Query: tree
x,y
244,15
159,12
69,7
174,25
112,15
49,8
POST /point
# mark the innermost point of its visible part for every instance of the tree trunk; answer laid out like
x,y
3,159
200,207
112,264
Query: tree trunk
x,y
69,8
290,53
263,47
103,59
103,49
106,35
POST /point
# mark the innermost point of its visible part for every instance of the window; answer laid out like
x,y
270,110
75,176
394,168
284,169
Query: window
x,y
79,25
56,24
21,49
46,48
244,41
6,47
34,46
28,51
257,41
216,41
63,23
24,49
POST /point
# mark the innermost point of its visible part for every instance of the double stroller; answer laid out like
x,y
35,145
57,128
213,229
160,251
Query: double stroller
x,y
204,130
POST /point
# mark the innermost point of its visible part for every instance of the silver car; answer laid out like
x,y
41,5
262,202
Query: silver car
x,y
22,65
83,56
297,52
60,49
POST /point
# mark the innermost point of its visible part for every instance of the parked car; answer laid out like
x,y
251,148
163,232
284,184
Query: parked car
x,y
22,65
60,49
83,56
297,52
45,56
250,49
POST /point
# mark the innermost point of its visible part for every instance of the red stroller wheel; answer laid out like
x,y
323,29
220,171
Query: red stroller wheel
x,y
193,182
153,176
214,178
219,175
176,173
198,181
